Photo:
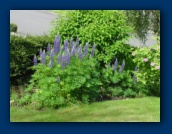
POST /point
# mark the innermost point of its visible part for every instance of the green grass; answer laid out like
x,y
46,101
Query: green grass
x,y
129,110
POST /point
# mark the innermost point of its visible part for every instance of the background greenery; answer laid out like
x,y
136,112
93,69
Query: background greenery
x,y
107,28
144,21
92,78
22,51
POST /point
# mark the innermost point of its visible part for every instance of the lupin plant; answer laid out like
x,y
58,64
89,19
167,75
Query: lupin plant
x,y
63,62
64,54
67,57
43,58
73,50
76,77
71,45
80,55
115,65
57,44
86,49
65,47
122,67
59,59
93,50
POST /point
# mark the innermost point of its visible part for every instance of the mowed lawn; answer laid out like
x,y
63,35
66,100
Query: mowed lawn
x,y
145,109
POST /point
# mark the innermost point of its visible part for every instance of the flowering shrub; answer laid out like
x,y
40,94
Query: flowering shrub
x,y
66,74
119,82
69,74
148,63
107,28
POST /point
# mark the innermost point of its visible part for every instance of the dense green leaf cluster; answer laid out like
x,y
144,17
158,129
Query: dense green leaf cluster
x,y
144,21
117,84
22,50
106,28
148,62
81,81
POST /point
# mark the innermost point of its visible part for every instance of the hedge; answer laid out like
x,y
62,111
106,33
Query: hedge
x,y
22,51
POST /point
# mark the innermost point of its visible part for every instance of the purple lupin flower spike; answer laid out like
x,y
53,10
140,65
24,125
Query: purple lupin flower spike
x,y
65,45
57,44
122,67
115,65
48,48
43,58
80,56
63,61
73,50
67,57
35,60
93,50
59,59
86,49
52,53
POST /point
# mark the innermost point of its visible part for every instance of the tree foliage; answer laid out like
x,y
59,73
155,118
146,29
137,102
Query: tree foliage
x,y
144,21
106,28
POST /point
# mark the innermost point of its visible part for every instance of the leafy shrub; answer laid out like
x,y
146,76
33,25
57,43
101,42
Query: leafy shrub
x,y
69,74
22,50
66,75
129,93
13,27
119,82
148,63
106,28
42,40
117,91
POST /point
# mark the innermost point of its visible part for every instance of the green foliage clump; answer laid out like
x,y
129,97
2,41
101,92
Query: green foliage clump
x,y
22,50
144,21
148,63
119,84
68,75
57,85
13,27
106,28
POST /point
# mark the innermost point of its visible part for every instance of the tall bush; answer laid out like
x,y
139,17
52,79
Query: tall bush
x,y
106,28
69,74
66,74
117,81
148,63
